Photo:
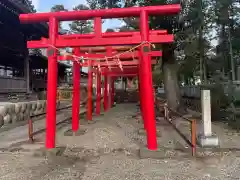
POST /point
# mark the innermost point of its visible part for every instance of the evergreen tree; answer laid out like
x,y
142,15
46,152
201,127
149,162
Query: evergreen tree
x,y
83,26
58,8
193,54
30,5
185,27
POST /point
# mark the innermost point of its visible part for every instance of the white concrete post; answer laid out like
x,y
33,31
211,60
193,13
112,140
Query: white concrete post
x,y
206,112
206,139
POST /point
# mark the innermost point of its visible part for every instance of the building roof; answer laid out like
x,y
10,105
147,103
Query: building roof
x,y
13,40
22,7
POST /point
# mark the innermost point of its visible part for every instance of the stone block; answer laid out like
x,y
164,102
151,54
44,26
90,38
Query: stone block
x,y
43,152
208,141
216,151
91,121
1,121
160,153
142,131
31,147
3,110
77,133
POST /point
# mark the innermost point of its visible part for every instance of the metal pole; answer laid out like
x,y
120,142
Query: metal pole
x,y
51,85
148,105
30,131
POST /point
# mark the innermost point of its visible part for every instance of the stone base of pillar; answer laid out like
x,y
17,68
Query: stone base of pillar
x,y
42,152
145,153
91,121
208,141
142,132
77,133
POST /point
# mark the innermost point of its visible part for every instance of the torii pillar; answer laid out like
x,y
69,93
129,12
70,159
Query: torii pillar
x,y
105,95
76,92
90,90
98,88
112,91
141,99
51,85
75,131
146,80
109,91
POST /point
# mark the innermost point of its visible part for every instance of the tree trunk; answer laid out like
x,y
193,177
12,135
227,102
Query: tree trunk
x,y
170,79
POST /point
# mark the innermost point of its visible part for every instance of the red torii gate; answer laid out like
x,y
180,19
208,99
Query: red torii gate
x,y
109,75
111,64
144,38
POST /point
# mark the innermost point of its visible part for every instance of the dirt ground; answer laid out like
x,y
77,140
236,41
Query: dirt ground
x,y
109,151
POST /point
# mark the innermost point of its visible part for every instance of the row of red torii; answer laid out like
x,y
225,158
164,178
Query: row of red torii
x,y
136,62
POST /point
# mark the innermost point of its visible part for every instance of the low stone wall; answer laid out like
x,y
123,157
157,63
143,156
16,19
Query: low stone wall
x,y
11,113
191,91
64,93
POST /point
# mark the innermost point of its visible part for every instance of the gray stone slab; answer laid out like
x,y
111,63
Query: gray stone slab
x,y
91,121
142,131
77,133
208,141
101,114
43,152
160,153
163,153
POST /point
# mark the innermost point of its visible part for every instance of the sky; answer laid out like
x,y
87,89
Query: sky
x,y
45,6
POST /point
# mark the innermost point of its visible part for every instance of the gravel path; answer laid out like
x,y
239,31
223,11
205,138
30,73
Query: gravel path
x,y
108,151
